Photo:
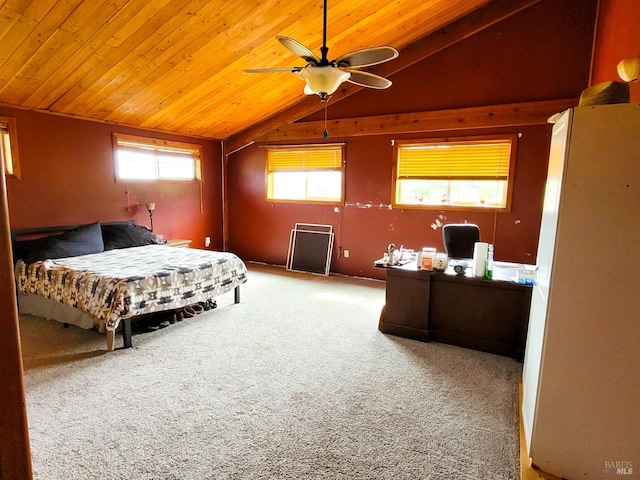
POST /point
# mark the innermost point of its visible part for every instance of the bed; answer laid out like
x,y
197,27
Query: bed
x,y
104,275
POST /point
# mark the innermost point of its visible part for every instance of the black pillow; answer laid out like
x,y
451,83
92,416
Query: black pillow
x,y
126,235
79,241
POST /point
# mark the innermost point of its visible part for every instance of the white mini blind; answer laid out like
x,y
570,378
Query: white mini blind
x,y
488,159
5,148
159,147
144,158
8,147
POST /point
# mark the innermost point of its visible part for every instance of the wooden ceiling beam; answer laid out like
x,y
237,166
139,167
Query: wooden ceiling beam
x,y
451,34
493,116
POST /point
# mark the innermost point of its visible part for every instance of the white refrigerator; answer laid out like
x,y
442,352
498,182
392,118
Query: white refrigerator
x,y
581,377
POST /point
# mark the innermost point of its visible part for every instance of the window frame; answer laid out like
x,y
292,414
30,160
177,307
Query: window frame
x,y
306,201
157,143
12,164
512,138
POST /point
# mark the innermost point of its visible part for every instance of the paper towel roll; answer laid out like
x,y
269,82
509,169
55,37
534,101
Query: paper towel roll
x,y
480,250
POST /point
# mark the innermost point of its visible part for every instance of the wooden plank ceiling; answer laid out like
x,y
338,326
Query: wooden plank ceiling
x,y
177,65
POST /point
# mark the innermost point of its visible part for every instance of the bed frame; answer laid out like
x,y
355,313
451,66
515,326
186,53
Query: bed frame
x,y
40,232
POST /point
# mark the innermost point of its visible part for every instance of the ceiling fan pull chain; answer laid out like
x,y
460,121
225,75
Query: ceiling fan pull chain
x,y
325,134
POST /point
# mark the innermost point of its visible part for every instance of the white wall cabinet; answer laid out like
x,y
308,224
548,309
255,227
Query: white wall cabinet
x,y
581,378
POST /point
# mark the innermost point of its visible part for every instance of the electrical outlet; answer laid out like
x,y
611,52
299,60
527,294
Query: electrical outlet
x,y
345,253
207,241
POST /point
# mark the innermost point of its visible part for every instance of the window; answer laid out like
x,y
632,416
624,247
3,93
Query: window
x,y
459,174
9,147
142,158
306,173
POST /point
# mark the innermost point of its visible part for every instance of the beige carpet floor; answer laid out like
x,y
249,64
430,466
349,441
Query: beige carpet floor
x,y
295,382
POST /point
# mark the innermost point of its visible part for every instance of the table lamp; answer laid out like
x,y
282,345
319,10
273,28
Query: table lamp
x,y
151,207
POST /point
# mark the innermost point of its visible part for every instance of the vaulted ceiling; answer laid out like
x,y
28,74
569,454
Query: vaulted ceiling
x,y
177,65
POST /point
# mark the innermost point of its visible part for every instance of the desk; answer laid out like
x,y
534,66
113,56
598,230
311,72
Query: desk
x,y
488,315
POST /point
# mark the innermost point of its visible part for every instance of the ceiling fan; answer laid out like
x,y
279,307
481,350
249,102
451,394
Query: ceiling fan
x,y
323,77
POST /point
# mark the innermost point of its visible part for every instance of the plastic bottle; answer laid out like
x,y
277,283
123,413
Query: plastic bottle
x,y
488,269
391,252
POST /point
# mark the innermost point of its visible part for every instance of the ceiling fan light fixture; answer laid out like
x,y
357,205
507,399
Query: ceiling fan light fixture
x,y
323,81
629,69
324,76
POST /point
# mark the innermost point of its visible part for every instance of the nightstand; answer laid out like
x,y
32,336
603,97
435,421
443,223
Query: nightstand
x,y
178,242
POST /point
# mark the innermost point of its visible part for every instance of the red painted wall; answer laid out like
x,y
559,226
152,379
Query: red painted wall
x,y
366,225
542,53
67,177
617,39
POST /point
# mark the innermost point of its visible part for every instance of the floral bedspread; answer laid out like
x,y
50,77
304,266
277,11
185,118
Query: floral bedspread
x,y
127,282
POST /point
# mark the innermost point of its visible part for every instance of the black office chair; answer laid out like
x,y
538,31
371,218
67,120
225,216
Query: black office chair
x,y
459,239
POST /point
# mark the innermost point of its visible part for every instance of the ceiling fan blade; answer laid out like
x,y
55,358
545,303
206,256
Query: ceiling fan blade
x,y
271,70
366,79
299,49
366,57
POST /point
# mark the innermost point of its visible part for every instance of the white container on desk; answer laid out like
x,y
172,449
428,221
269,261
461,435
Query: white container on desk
x,y
480,250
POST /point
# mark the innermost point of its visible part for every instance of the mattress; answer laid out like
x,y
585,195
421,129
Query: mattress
x,y
124,283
